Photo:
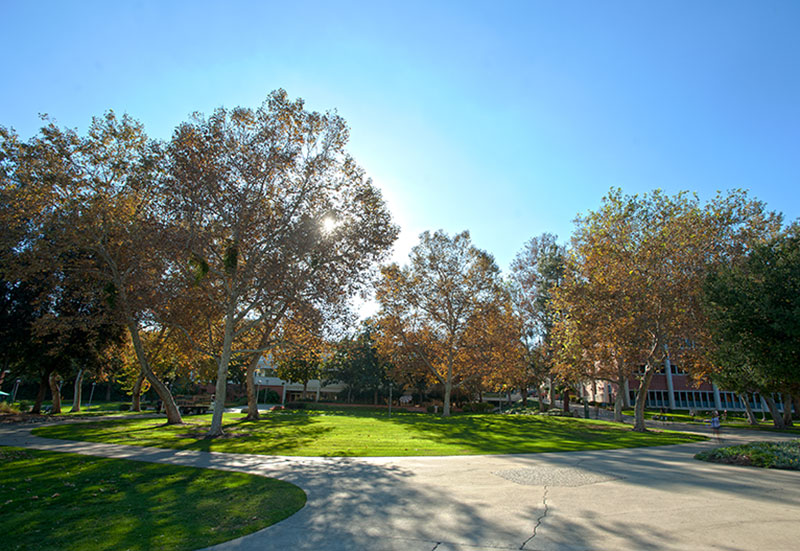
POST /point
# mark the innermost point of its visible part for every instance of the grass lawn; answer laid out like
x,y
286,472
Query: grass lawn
x,y
351,432
735,420
52,500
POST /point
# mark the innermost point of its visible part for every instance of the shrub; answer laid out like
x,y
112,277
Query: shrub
x,y
272,397
296,405
124,407
477,407
5,407
769,455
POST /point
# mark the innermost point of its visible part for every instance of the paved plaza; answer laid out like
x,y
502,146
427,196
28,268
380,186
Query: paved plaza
x,y
631,499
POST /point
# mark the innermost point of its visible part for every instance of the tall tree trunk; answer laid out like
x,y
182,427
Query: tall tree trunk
x,y
375,396
108,391
167,401
787,410
77,392
619,401
42,392
641,399
250,384
565,401
524,396
777,418
751,417
56,393
552,391
222,377
136,393
448,386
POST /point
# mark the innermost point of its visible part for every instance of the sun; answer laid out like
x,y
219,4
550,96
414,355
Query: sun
x,y
328,224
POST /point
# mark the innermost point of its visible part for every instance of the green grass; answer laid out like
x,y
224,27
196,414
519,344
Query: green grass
x,y
63,501
769,455
364,432
735,420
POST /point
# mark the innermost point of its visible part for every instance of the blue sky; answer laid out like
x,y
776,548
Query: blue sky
x,y
504,118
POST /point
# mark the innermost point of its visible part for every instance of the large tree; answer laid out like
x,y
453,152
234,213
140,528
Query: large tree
x,y
644,259
277,218
536,274
754,312
99,199
437,308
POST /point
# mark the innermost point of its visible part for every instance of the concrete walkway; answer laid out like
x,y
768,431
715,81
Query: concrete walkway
x,y
644,498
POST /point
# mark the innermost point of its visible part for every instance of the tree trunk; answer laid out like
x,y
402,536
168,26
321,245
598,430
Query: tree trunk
x,y
375,396
524,396
108,391
565,401
448,386
305,390
77,392
250,385
167,401
43,385
222,377
751,417
787,410
136,393
641,399
619,401
777,418
56,392
552,391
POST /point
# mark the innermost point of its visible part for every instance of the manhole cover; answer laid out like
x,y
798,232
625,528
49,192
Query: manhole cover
x,y
554,476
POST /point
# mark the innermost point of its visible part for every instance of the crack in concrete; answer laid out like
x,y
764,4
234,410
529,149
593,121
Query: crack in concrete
x,y
538,520
438,543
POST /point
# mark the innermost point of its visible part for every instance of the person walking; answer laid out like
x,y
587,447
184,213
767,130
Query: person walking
x,y
716,425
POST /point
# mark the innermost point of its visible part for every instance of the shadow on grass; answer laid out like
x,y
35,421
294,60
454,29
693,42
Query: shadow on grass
x,y
67,501
532,434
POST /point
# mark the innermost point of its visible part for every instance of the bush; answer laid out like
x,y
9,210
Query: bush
x,y
124,407
272,397
296,405
5,407
769,455
477,407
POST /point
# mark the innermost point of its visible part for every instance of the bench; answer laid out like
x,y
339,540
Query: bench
x,y
193,405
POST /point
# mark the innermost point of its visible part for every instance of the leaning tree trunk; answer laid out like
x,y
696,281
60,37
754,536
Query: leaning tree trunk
x,y
751,417
77,393
221,388
173,415
777,418
787,410
56,392
250,384
136,393
641,399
